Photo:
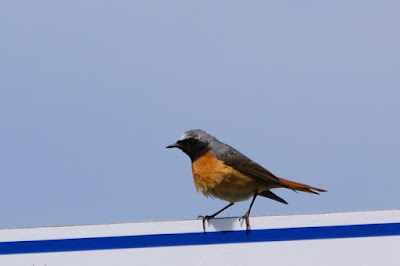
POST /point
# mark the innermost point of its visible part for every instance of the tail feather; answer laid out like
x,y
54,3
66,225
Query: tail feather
x,y
300,187
270,195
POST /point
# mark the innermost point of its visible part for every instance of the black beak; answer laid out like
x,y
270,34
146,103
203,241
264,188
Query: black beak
x,y
175,145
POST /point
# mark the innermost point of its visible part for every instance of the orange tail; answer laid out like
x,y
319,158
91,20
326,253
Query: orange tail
x,y
300,187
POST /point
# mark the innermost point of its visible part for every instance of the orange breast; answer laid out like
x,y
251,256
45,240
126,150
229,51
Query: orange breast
x,y
213,178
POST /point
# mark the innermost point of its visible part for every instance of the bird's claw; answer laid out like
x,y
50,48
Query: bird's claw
x,y
205,218
247,220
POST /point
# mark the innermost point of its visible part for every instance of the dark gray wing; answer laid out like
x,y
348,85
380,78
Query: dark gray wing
x,y
241,163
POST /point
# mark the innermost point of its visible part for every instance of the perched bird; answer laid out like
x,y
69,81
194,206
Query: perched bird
x,y
222,172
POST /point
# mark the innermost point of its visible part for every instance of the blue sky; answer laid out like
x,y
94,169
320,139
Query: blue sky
x,y
93,91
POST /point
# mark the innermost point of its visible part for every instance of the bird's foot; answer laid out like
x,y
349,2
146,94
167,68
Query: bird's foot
x,y
205,219
246,218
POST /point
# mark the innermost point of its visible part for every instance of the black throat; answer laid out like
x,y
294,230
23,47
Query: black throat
x,y
196,154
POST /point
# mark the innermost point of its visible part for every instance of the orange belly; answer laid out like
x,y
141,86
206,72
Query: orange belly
x,y
213,178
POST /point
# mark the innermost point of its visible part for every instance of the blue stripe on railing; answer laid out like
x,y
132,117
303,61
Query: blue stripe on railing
x,y
210,238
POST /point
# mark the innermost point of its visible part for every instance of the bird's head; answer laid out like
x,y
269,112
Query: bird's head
x,y
194,143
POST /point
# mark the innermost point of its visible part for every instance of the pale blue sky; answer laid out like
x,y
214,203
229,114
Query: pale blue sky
x,y
91,92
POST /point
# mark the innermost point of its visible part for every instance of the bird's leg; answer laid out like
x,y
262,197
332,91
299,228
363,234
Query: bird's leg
x,y
246,216
208,217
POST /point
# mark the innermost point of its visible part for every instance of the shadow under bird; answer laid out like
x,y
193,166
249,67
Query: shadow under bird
x,y
222,172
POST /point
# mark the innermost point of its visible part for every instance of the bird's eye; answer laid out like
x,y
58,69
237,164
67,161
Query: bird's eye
x,y
189,141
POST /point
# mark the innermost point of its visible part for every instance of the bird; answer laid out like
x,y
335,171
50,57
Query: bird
x,y
220,171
